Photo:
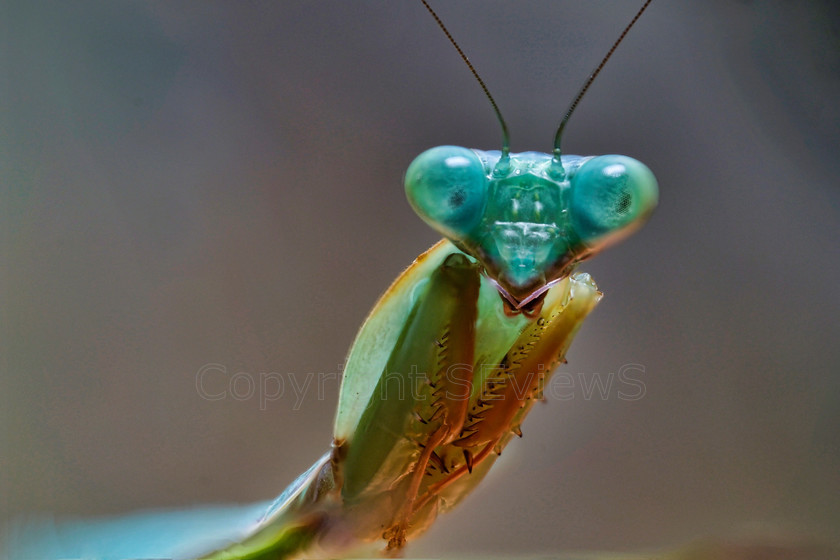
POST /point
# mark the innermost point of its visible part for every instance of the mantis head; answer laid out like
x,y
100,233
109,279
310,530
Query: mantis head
x,y
527,218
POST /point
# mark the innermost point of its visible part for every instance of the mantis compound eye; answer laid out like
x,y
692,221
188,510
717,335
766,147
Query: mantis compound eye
x,y
447,187
611,197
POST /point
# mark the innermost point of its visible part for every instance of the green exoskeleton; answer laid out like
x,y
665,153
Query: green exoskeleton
x,y
461,343
457,350
454,354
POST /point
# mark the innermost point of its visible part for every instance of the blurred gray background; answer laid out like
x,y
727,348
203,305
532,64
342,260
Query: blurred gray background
x,y
200,183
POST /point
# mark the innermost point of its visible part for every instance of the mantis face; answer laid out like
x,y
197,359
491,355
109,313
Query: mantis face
x,y
529,219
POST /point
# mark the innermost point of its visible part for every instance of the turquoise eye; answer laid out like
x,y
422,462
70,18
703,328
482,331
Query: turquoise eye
x,y
447,187
611,196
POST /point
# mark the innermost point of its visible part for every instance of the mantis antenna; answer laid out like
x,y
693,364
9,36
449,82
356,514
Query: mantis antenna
x,y
503,163
558,135
505,134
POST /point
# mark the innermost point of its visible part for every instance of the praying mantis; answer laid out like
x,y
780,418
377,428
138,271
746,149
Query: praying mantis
x,y
455,353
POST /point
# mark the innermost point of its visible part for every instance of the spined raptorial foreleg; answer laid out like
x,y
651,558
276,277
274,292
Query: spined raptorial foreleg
x,y
420,402
502,398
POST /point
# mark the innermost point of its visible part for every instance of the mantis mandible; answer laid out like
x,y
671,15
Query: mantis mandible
x,y
457,350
